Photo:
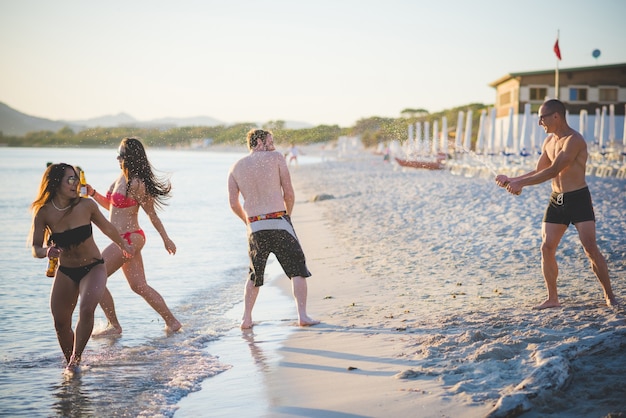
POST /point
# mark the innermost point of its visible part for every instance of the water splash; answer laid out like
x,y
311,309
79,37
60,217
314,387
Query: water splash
x,y
480,159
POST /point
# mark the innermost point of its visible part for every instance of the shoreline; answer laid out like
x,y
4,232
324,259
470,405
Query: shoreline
x,y
345,368
425,308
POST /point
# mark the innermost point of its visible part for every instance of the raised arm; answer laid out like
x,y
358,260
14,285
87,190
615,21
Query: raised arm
x,y
543,163
99,198
108,229
550,169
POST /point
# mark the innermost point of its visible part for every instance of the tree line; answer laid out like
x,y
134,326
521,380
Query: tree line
x,y
372,130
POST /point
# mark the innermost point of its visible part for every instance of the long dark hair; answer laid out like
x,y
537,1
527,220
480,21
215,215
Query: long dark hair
x,y
136,165
50,182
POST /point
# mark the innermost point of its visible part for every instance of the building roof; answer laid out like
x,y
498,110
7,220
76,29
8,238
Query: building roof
x,y
529,73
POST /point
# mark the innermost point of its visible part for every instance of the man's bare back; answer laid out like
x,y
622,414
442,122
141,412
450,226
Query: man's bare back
x,y
262,178
258,177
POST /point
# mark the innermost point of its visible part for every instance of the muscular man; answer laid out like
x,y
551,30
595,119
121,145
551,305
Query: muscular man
x,y
563,160
262,178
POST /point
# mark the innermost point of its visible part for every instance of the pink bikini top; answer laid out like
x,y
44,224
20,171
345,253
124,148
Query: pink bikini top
x,y
120,201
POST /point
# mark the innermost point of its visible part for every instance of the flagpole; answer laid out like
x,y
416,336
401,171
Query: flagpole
x,y
556,74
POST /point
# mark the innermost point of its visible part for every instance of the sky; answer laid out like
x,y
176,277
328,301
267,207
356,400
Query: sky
x,y
329,62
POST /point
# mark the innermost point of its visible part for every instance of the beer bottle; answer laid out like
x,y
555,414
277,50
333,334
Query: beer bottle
x,y
52,266
83,185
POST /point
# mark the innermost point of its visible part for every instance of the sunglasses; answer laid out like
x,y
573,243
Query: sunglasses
x,y
542,117
121,155
71,180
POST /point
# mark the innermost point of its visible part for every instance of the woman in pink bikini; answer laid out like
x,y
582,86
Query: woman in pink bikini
x,y
137,186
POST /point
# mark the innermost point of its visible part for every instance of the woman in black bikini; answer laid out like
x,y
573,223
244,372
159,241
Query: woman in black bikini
x,y
63,221
137,186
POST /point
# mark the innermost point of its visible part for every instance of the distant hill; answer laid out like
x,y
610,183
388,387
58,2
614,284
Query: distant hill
x,y
104,121
292,124
124,119
16,123
193,121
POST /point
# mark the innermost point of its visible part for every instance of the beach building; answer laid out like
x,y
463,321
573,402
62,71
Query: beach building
x,y
594,96
581,88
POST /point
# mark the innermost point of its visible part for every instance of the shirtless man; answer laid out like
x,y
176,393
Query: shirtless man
x,y
263,179
563,159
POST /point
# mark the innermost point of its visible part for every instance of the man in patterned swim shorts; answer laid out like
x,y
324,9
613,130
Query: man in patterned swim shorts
x,y
563,160
263,179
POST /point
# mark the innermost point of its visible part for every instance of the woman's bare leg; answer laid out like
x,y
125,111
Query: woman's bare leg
x,y
113,260
135,274
63,300
91,288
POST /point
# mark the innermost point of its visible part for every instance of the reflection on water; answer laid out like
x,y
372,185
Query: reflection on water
x,y
260,359
71,399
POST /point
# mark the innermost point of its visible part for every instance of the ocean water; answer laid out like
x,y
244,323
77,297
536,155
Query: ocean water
x,y
462,290
144,372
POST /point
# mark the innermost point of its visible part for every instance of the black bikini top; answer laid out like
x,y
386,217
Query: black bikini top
x,y
71,237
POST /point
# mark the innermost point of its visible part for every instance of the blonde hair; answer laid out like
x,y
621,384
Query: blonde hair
x,y
256,135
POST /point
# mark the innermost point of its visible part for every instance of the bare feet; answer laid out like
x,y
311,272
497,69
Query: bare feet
x,y
246,323
307,321
73,366
548,304
612,302
109,331
173,327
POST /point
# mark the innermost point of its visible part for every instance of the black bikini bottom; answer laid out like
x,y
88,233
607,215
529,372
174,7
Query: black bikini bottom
x,y
77,273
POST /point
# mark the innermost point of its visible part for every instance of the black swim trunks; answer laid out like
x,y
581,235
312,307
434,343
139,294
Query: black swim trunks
x,y
570,208
275,236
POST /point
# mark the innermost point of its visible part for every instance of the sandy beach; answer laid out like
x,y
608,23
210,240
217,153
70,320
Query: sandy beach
x,y
351,365
424,283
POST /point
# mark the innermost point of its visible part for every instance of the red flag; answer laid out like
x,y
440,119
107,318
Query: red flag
x,y
557,50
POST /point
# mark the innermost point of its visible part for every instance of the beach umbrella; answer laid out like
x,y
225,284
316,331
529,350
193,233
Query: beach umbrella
x,y
491,143
409,143
468,131
458,139
582,123
435,136
523,138
534,132
596,127
418,137
444,134
426,137
611,124
480,142
624,133
602,128
509,145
